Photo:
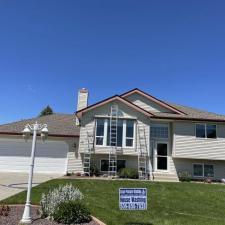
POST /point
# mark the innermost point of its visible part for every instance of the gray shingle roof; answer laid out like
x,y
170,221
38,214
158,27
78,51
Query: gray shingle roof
x,y
191,113
58,125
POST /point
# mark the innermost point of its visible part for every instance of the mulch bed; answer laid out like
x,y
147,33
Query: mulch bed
x,y
16,212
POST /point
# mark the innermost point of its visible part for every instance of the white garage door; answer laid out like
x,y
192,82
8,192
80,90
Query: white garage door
x,y
50,157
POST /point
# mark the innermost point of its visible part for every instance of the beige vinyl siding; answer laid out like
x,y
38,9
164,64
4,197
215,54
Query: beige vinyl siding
x,y
146,104
74,163
88,125
186,145
187,165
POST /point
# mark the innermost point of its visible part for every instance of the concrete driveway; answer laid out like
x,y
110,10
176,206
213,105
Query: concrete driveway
x,y
13,183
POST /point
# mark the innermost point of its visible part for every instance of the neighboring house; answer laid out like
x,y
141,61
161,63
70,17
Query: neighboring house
x,y
56,155
134,130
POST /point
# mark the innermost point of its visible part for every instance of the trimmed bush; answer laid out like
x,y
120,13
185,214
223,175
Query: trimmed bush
x,y
72,212
128,173
50,201
94,171
184,176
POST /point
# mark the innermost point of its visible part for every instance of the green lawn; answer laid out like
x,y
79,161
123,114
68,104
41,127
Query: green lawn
x,y
168,203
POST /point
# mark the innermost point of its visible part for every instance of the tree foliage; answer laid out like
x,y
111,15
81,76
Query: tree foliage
x,y
46,111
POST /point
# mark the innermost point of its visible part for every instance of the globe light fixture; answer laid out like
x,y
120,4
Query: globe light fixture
x,y
35,129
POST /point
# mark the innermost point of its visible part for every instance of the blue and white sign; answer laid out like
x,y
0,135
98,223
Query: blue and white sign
x,y
133,198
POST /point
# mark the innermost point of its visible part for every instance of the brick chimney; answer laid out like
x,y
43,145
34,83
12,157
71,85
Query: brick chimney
x,y
82,101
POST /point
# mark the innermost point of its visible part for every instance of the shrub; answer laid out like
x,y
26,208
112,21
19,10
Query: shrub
x,y
184,176
72,212
4,210
94,170
128,173
51,200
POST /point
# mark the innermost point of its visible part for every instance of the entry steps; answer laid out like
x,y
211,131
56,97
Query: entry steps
x,y
165,176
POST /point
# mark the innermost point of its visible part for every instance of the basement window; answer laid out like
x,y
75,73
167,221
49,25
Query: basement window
x,y
203,170
104,164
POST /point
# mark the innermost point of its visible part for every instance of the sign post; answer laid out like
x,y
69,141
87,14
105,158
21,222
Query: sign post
x,y
133,198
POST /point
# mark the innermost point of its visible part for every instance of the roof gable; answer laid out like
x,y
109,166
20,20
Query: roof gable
x,y
111,99
150,103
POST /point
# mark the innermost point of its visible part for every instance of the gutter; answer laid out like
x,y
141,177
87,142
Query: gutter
x,y
50,135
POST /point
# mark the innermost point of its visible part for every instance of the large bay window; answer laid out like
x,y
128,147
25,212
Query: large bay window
x,y
125,132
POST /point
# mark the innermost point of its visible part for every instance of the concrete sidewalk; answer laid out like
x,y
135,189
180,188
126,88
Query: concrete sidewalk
x,y
13,183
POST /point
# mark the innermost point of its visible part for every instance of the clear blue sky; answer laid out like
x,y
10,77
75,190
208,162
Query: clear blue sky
x,y
175,50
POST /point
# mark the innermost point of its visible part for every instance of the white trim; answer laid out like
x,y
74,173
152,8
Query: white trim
x,y
156,156
95,138
106,124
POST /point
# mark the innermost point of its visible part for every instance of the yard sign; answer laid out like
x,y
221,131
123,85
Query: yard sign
x,y
133,199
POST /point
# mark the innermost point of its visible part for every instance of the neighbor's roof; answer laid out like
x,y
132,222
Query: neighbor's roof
x,y
61,125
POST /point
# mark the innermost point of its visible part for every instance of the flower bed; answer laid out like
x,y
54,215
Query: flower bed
x,y
16,212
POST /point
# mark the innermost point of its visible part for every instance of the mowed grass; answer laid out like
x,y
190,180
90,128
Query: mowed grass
x,y
168,203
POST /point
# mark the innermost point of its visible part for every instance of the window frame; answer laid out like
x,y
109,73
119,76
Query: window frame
x,y
202,164
205,125
102,171
124,137
96,125
125,134
212,124
160,125
203,169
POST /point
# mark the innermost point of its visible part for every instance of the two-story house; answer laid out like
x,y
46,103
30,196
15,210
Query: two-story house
x,y
134,130
160,139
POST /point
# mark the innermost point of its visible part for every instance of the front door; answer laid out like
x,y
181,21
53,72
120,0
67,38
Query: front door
x,y
162,156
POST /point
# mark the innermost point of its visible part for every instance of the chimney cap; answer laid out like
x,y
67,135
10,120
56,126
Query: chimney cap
x,y
83,90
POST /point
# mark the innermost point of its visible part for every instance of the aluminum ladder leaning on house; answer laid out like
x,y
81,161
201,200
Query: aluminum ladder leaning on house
x,y
142,153
87,153
113,141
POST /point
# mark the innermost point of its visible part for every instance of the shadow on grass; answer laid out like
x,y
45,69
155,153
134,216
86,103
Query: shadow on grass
x,y
138,223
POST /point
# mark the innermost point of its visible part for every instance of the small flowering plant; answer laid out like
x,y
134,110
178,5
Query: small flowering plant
x,y
51,201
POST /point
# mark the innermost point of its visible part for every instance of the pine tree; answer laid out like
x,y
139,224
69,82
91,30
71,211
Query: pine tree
x,y
46,111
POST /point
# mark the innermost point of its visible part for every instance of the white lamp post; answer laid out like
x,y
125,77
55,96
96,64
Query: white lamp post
x,y
35,128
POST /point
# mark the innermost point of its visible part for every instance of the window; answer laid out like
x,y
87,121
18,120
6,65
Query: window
x,y
100,131
198,170
200,130
203,170
105,164
206,131
125,133
129,133
208,170
159,131
211,131
119,133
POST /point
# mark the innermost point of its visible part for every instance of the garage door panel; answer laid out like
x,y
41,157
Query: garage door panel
x,y
50,157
